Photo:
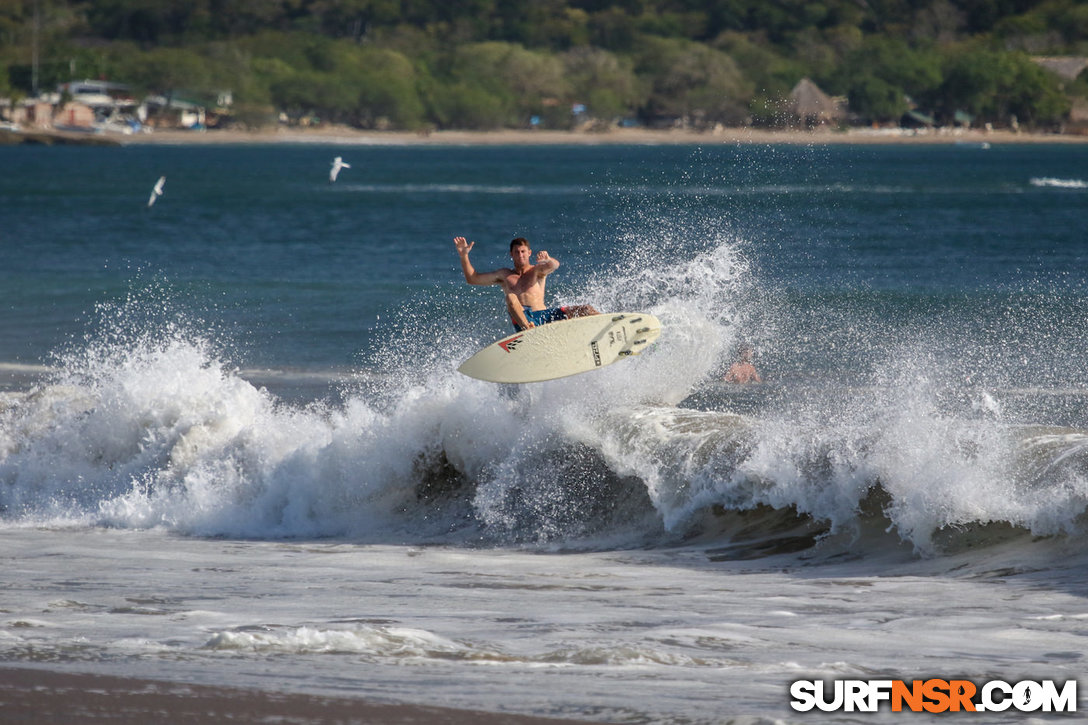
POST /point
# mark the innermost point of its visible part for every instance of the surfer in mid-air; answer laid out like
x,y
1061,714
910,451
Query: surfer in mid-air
x,y
523,285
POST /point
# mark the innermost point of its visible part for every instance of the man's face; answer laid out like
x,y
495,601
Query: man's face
x,y
521,255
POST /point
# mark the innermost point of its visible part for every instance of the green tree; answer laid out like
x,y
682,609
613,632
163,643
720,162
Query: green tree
x,y
771,72
167,70
305,93
544,24
14,18
880,75
148,22
877,100
525,82
613,29
996,86
693,81
604,82
464,105
385,86
6,89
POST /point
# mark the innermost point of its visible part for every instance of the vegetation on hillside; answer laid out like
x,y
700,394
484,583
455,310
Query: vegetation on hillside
x,y
482,64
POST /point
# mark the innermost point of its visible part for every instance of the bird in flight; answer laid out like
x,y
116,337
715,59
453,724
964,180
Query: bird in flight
x,y
337,164
157,191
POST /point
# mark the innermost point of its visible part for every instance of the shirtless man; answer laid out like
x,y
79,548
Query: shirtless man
x,y
523,285
743,371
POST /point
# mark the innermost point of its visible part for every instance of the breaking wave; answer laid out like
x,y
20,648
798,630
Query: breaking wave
x,y
1059,183
151,426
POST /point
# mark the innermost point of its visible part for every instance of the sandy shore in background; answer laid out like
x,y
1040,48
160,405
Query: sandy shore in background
x,y
44,697
348,136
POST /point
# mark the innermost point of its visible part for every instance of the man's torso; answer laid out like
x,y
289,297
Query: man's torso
x,y
527,285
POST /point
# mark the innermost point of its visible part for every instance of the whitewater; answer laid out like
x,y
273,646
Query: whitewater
x,y
646,543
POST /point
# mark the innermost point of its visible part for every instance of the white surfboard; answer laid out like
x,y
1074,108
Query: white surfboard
x,y
563,348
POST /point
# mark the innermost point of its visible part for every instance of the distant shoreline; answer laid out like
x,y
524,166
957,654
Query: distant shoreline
x,y
346,136
342,135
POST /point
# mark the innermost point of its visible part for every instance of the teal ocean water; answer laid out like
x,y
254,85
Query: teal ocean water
x,y
298,272
247,392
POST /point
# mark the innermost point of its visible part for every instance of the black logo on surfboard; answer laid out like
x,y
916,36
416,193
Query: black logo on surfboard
x,y
596,354
510,344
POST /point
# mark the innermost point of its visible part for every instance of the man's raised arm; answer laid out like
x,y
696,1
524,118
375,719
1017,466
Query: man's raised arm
x,y
545,264
471,275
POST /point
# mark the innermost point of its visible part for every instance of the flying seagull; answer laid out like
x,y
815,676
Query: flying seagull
x,y
157,191
337,164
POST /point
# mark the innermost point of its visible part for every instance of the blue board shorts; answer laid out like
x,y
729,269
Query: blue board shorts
x,y
542,317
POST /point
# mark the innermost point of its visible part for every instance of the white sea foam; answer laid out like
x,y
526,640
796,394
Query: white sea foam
x,y
385,642
642,635
161,433
1059,183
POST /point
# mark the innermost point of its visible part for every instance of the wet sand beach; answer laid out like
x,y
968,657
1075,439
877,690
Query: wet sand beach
x,y
45,697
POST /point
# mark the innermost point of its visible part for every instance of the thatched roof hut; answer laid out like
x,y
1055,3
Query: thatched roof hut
x,y
1066,66
812,106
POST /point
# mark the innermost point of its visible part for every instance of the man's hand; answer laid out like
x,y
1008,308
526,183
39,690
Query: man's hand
x,y
545,264
463,246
